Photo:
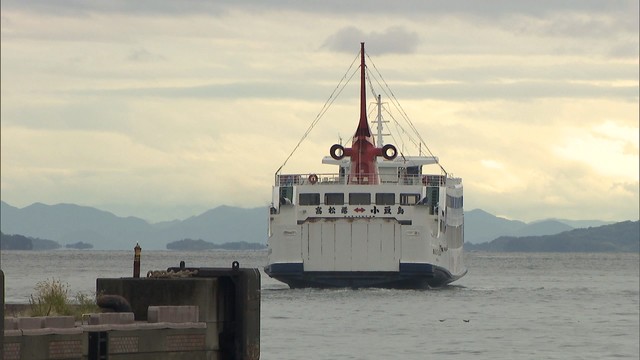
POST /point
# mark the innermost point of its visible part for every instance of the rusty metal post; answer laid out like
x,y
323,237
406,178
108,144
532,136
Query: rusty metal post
x,y
136,261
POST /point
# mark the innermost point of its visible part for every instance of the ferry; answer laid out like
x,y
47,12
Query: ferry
x,y
385,219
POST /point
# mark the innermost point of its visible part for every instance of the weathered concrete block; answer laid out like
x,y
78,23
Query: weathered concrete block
x,y
187,325
173,314
10,323
52,346
59,322
12,333
52,331
97,328
26,323
144,292
111,318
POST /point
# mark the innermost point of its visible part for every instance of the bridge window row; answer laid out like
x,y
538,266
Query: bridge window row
x,y
357,199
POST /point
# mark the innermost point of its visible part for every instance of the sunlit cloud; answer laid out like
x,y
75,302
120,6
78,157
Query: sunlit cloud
x,y
609,149
492,164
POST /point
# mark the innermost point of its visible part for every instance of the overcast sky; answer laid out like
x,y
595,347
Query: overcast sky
x,y
164,109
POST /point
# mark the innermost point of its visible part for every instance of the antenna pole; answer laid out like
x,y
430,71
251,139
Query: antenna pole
x,y
379,121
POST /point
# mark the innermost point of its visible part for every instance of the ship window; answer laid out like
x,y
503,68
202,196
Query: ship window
x,y
385,199
454,202
409,199
309,199
413,170
413,175
334,199
360,199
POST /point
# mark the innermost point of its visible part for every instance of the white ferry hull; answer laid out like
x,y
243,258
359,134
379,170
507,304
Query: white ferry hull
x,y
410,276
413,246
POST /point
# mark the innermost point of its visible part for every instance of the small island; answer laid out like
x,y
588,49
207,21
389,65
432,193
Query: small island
x,y
20,242
79,246
199,245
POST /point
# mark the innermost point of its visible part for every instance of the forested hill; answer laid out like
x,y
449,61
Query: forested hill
x,y
619,237
19,242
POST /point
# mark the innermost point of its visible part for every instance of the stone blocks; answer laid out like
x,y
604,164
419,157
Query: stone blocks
x,y
10,323
59,322
173,314
28,323
111,318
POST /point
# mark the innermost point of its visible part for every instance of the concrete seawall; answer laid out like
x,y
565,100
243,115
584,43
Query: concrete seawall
x,y
212,314
2,313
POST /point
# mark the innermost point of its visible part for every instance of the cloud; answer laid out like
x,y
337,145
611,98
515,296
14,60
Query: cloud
x,y
624,50
394,40
487,8
605,148
193,104
578,24
233,90
142,55
142,7
492,164
524,90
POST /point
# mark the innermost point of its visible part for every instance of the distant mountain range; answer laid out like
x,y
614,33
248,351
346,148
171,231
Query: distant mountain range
x,y
71,224
619,237
480,226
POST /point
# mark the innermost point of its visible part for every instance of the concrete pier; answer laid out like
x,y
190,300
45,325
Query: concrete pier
x,y
228,302
212,314
2,314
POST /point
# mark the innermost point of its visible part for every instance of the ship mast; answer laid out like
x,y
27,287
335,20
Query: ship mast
x,y
363,151
379,122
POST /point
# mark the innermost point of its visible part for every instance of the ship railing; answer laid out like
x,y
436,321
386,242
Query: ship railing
x,y
309,179
339,179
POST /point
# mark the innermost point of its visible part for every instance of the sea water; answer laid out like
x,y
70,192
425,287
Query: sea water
x,y
509,306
